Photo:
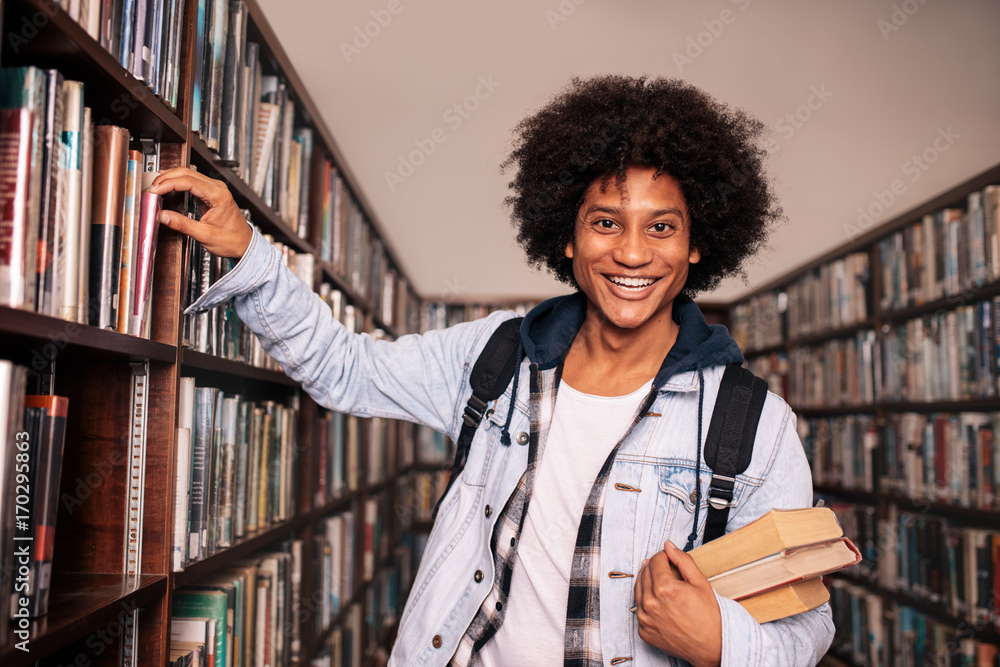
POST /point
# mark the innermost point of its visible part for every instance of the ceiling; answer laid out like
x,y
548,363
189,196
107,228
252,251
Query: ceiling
x,y
885,81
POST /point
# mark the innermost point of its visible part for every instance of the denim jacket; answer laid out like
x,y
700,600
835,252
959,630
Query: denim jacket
x,y
425,379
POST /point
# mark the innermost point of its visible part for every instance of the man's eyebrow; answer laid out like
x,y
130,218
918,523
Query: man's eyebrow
x,y
614,210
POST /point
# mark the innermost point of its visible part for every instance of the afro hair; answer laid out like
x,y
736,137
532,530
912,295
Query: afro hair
x,y
597,128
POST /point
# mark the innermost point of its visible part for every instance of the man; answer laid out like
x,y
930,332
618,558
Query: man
x,y
555,543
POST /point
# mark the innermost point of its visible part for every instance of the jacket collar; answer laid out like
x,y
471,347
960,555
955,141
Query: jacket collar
x,y
550,327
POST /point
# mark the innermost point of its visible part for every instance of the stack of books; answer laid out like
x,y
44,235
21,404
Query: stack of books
x,y
773,566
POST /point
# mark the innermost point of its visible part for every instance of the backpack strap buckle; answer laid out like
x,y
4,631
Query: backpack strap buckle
x,y
474,411
720,492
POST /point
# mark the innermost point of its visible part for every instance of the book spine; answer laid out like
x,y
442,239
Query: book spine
x,y
110,164
154,42
124,51
130,214
49,218
200,451
68,252
138,59
148,225
45,475
197,79
86,215
242,468
227,472
215,62
229,148
182,499
16,233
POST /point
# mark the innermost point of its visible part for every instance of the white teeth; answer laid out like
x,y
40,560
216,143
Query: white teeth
x,y
631,282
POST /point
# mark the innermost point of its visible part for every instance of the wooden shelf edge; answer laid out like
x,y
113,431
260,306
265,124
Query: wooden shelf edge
x,y
985,517
207,362
832,334
60,628
247,546
933,609
62,334
889,407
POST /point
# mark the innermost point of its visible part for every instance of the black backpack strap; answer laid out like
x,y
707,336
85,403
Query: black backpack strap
x,y
729,445
490,375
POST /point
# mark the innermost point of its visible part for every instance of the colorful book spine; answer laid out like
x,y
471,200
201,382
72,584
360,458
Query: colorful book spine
x,y
68,252
110,164
148,225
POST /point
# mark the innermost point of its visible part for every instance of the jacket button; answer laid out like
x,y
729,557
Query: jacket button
x,y
489,511
499,606
522,438
436,641
694,497
478,576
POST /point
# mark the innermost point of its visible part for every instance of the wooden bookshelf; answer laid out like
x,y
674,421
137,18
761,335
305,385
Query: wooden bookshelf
x,y
94,368
884,321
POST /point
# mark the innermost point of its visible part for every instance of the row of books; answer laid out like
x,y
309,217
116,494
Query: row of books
x,y
946,458
235,466
932,558
219,331
144,35
773,369
337,554
248,117
944,356
250,120
381,611
841,450
246,614
33,432
835,295
945,254
451,311
759,322
80,239
838,372
874,632
352,451
935,457
344,646
343,311
348,243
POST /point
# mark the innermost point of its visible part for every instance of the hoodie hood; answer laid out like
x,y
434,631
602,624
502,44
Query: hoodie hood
x,y
550,327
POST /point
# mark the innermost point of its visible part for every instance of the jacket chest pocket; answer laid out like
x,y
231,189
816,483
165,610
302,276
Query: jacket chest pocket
x,y
487,439
674,516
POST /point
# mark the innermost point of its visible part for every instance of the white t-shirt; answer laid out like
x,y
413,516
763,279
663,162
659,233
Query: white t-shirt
x,y
584,430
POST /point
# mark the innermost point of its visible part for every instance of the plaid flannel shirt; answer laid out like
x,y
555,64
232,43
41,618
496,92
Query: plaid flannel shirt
x,y
583,634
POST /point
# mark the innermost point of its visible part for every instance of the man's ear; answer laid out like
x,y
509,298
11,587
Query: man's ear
x,y
694,255
569,250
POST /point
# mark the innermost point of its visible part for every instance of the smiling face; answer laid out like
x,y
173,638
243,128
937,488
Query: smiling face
x,y
631,249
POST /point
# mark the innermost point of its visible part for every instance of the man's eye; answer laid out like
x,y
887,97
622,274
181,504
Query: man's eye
x,y
606,224
661,227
